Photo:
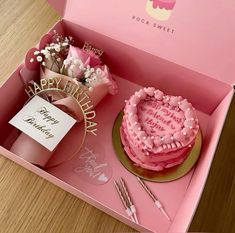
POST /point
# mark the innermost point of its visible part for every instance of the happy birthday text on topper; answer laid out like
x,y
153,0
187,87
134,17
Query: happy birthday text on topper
x,y
71,89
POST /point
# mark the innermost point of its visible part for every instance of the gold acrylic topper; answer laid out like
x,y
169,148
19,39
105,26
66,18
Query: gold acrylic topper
x,y
70,89
88,47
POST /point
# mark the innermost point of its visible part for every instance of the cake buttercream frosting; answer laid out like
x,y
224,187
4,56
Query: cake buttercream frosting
x,y
158,130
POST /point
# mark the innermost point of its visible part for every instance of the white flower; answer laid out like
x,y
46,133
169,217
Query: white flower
x,y
81,67
66,62
45,52
36,52
57,48
98,71
88,72
31,60
39,59
96,77
72,67
77,61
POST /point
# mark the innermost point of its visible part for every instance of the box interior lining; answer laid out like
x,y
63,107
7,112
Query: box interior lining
x,y
143,69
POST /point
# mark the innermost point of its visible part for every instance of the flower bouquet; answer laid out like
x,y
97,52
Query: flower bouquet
x,y
61,59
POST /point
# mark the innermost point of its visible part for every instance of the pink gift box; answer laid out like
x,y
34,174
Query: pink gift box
x,y
190,54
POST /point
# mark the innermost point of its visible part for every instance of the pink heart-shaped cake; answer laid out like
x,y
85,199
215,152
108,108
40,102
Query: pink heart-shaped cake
x,y
158,130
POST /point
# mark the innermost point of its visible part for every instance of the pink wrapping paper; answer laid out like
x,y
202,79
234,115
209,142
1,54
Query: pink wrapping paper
x,y
34,152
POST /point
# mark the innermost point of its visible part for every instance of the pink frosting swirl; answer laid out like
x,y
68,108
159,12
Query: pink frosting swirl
x,y
133,119
185,105
168,138
149,91
142,94
157,141
174,100
158,94
190,114
149,142
179,136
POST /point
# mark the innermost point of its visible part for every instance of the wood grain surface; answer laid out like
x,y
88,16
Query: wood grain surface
x,y
29,204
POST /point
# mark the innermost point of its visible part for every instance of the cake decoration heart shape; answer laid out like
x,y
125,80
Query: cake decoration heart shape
x,y
158,130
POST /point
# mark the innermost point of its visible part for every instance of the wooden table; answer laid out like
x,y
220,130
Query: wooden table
x,y
30,204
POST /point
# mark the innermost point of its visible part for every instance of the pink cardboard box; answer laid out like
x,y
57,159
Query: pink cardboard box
x,y
187,51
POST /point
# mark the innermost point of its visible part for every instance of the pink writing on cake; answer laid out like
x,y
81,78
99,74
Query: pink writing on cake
x,y
154,125
155,105
158,118
165,113
172,115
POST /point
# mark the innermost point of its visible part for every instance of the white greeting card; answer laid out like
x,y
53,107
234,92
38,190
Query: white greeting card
x,y
44,122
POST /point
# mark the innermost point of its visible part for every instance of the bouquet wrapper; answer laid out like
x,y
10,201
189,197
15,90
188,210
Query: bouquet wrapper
x,y
32,151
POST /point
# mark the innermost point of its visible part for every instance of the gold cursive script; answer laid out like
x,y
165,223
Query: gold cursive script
x,y
71,89
46,116
32,121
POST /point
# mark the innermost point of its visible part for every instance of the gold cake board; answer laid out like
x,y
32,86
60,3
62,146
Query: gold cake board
x,y
166,175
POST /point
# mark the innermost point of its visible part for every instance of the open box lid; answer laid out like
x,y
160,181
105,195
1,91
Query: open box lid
x,y
195,34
